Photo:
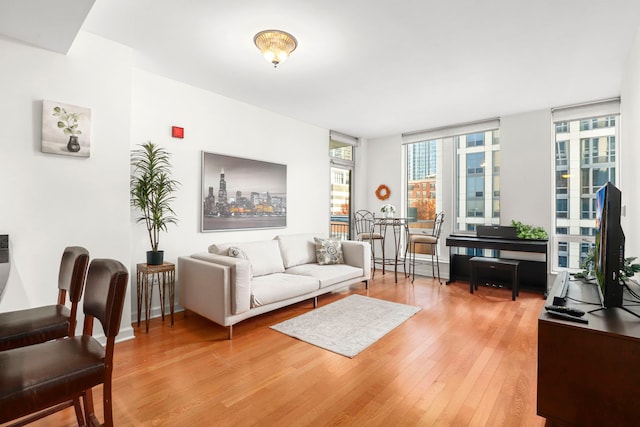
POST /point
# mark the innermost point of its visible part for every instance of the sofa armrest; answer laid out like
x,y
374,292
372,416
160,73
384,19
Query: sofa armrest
x,y
208,280
357,254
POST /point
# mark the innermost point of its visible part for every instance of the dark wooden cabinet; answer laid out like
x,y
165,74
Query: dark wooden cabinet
x,y
588,374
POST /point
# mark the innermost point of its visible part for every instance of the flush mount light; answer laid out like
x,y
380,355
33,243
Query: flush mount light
x,y
275,45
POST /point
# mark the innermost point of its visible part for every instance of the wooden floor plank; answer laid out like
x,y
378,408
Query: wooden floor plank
x,y
463,359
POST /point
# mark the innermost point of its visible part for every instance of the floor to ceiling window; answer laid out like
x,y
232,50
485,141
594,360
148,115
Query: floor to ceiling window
x,y
341,153
586,144
422,181
477,158
478,179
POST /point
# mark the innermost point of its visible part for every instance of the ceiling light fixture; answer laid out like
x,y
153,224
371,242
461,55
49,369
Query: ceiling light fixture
x,y
275,45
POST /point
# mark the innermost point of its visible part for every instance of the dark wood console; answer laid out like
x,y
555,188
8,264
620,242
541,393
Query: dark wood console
x,y
533,274
588,373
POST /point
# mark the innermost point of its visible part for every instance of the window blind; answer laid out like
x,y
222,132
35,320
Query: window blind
x,y
607,107
449,131
343,138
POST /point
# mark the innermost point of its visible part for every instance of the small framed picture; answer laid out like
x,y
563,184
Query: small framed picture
x,y
66,129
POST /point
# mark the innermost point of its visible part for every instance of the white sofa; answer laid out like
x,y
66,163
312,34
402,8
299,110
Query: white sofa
x,y
264,275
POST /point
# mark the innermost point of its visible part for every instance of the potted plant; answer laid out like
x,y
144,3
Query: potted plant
x,y
152,191
525,231
388,210
628,269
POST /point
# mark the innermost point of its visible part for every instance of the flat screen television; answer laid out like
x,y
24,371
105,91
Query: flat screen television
x,y
609,250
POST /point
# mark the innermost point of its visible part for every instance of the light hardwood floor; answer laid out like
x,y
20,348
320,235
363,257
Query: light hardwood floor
x,y
463,360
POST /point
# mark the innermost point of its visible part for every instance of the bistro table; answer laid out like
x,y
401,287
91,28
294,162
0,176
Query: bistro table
x,y
400,232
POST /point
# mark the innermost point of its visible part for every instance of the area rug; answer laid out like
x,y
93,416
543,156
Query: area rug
x,y
349,325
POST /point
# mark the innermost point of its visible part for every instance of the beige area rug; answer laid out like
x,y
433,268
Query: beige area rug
x,y
349,325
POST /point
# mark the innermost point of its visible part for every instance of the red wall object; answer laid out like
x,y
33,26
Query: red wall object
x,y
177,132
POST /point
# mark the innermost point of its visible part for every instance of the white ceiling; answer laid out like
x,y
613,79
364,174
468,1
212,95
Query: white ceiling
x,y
373,68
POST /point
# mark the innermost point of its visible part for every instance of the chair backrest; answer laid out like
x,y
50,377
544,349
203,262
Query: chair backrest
x,y
363,222
73,269
437,224
106,287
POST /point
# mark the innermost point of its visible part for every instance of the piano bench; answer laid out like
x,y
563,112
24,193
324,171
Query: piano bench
x,y
479,263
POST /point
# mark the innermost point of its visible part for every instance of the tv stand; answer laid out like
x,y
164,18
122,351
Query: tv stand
x,y
611,308
587,373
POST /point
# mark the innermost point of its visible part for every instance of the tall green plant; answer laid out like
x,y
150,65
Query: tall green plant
x,y
152,189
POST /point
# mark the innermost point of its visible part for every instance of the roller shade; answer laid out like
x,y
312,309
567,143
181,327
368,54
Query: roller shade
x,y
608,107
449,131
343,138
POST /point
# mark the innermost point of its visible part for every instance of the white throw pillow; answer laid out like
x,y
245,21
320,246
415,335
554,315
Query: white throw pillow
x,y
264,256
239,253
220,248
297,249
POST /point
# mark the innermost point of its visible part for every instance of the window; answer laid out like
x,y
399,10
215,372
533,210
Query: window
x,y
341,150
422,160
562,127
586,146
478,178
475,139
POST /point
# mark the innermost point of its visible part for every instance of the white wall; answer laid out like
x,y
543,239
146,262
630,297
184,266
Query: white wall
x,y
51,201
630,152
526,169
221,125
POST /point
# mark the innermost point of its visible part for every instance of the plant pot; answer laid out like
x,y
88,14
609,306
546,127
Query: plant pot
x,y
155,257
73,144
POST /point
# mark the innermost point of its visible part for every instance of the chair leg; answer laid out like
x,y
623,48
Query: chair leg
x,y
108,404
373,257
78,408
438,265
88,407
412,265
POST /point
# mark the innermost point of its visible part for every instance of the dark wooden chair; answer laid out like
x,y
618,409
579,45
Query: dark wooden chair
x,y
40,379
39,324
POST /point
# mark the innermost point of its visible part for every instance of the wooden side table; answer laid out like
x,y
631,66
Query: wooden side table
x,y
147,276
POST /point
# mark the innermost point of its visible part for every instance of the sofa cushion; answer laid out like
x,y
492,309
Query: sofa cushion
x,y
327,274
297,249
280,286
239,253
264,256
329,251
220,248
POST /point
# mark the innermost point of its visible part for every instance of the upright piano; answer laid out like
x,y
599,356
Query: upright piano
x,y
501,239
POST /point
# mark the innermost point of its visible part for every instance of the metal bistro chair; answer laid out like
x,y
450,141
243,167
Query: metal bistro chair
x,y
364,222
430,240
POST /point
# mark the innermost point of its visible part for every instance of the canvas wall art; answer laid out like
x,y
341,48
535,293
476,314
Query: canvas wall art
x,y
66,129
240,193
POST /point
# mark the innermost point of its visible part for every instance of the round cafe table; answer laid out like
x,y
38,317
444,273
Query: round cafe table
x,y
397,229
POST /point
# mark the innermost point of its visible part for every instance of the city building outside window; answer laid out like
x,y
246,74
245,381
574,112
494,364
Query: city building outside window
x,y
586,146
422,160
342,166
478,179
